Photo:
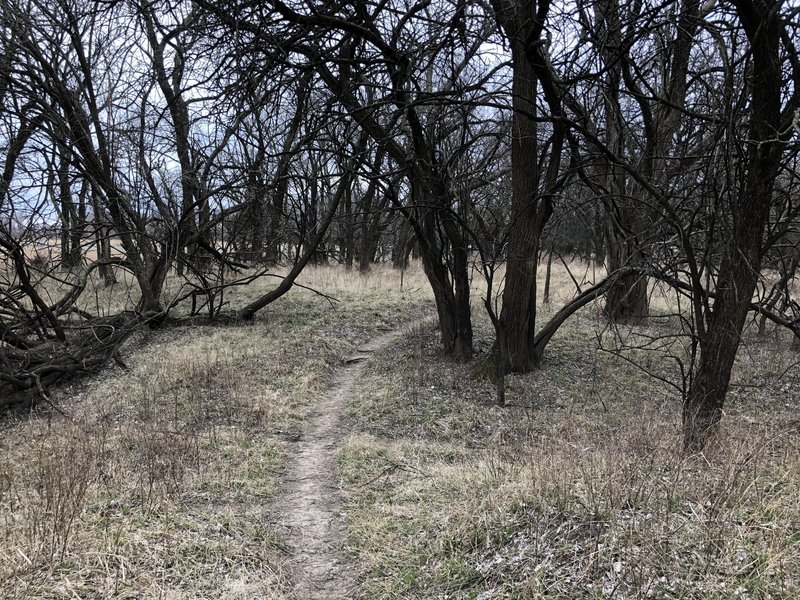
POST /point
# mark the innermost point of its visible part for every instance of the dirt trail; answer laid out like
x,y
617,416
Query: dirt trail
x,y
310,506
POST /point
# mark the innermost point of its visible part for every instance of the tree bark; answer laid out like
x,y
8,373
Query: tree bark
x,y
517,319
348,233
518,314
548,273
453,309
626,299
371,215
532,191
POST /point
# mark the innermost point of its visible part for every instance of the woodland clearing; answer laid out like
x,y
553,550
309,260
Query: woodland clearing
x,y
174,478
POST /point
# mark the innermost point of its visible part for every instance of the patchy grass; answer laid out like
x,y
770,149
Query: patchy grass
x,y
157,484
577,489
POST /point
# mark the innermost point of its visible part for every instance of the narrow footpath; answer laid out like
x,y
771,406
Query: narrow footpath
x,y
310,507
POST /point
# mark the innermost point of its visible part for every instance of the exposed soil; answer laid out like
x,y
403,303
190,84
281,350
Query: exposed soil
x,y
310,506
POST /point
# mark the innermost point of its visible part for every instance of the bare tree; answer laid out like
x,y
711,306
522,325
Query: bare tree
x,y
371,52
771,115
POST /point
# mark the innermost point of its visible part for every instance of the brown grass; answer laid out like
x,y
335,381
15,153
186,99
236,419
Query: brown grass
x,y
158,484
578,488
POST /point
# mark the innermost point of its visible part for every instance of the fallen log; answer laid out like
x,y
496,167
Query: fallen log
x,y
27,373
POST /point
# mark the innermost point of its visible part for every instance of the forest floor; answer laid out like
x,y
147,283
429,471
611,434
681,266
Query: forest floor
x,y
329,450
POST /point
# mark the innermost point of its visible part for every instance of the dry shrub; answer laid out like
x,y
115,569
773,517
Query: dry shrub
x,y
44,500
162,457
63,471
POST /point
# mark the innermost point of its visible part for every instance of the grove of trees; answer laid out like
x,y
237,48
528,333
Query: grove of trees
x,y
212,141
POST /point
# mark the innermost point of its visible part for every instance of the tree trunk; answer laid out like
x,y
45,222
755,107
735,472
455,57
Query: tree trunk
x,y
371,218
257,229
740,266
626,300
348,237
310,221
450,285
453,309
68,213
78,226
103,241
368,246
251,227
529,213
625,221
402,246
546,295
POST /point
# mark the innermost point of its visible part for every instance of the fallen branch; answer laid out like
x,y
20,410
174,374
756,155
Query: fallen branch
x,y
27,374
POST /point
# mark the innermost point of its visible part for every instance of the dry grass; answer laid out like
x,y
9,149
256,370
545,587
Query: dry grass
x,y
158,483
578,489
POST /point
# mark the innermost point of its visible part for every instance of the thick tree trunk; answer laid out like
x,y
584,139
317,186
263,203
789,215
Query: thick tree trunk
x,y
627,299
371,236
462,347
453,309
450,285
529,213
735,287
367,248
740,266
533,185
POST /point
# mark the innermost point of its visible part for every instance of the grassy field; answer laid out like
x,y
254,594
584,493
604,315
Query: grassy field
x,y
577,489
159,482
